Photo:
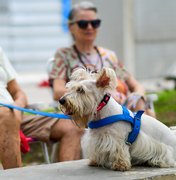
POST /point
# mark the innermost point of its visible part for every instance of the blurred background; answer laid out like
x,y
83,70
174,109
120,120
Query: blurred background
x,y
141,32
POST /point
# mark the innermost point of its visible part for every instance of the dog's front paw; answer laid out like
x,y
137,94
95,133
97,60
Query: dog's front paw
x,y
120,166
93,163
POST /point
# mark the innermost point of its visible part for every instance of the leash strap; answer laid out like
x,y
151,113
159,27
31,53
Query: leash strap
x,y
53,115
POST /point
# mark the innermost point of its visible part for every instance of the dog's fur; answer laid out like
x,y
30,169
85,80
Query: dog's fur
x,y
155,144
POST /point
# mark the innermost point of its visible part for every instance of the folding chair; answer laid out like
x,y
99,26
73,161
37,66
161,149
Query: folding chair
x,y
44,148
151,98
29,140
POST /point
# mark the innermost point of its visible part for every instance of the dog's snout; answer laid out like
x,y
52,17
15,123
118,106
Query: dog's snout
x,y
62,101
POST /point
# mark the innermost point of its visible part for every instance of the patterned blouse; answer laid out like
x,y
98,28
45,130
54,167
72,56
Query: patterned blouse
x,y
67,59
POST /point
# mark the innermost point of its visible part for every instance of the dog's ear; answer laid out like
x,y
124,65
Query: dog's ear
x,y
103,80
107,79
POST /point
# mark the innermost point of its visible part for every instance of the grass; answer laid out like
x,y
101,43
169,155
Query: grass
x,y
165,107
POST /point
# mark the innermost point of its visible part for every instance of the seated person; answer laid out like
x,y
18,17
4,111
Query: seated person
x,y
43,128
84,25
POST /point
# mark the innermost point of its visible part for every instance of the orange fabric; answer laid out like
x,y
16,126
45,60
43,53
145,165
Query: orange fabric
x,y
121,87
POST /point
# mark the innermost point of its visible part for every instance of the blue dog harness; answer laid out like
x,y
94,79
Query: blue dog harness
x,y
135,122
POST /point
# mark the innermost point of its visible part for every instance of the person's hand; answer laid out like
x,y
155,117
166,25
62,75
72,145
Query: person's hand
x,y
17,114
119,97
11,114
4,112
134,100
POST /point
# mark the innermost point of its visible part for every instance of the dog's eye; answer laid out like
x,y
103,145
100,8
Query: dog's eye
x,y
80,90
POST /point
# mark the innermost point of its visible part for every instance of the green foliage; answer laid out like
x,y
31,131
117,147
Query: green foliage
x,y
165,107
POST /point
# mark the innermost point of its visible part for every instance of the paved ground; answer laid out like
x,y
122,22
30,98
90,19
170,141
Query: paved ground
x,y
79,170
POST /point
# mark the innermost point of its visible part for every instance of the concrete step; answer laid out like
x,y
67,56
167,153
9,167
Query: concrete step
x,y
32,30
79,170
34,6
38,43
36,19
35,12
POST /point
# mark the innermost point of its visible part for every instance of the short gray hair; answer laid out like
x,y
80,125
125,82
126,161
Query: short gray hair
x,y
85,5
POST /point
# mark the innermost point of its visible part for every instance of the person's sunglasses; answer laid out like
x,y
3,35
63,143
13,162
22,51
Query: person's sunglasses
x,y
83,24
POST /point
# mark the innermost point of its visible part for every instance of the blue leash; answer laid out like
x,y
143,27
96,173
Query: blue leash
x,y
53,115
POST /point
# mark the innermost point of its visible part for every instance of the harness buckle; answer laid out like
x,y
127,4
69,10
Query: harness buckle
x,y
128,143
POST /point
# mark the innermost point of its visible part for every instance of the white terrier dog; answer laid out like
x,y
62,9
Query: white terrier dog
x,y
116,138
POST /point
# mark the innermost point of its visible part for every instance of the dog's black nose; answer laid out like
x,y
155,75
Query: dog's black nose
x,y
62,101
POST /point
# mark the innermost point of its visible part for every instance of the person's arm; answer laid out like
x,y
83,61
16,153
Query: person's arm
x,y
17,93
19,98
59,88
136,98
134,86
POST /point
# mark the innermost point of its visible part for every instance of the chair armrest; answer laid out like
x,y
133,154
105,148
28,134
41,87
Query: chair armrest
x,y
151,98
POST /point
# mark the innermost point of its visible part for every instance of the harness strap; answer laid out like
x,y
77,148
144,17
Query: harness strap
x,y
135,122
135,128
125,116
53,115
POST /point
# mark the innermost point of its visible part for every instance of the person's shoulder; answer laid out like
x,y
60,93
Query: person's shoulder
x,y
105,50
64,50
108,54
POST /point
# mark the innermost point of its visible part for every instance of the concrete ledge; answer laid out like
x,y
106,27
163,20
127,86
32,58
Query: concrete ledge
x,y
79,170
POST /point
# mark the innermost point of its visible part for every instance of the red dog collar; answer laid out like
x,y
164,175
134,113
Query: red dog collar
x,y
103,102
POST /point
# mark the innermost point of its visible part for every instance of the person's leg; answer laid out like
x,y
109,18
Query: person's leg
x,y
10,154
69,137
60,130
